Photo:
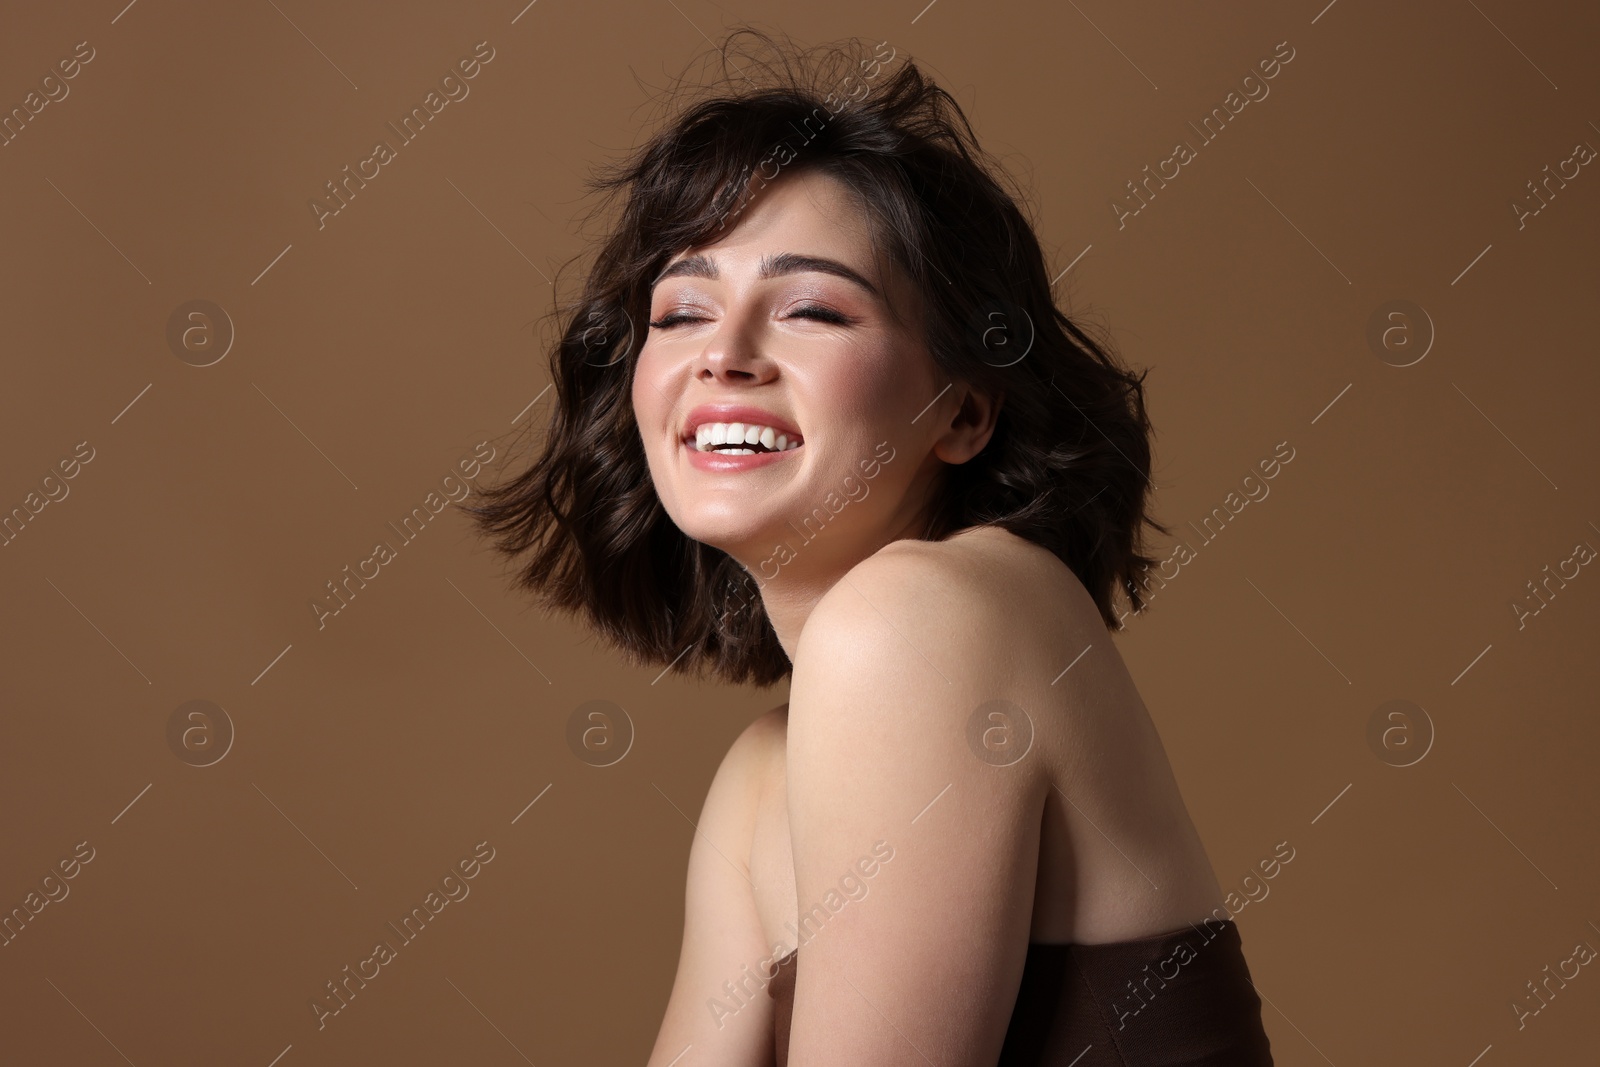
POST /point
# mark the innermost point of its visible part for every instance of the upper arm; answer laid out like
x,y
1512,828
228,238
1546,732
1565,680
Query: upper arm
x,y
893,665
722,938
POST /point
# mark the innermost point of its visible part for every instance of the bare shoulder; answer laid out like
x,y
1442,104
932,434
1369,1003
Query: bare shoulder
x,y
981,664
979,579
722,929
981,621
762,740
732,802
918,639
893,674
750,760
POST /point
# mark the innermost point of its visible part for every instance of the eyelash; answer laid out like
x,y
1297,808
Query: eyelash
x,y
821,314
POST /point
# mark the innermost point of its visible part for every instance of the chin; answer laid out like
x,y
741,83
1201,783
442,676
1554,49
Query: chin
x,y
744,541
721,527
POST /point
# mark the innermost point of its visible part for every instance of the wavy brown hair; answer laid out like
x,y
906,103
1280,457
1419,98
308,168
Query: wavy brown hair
x,y
1068,464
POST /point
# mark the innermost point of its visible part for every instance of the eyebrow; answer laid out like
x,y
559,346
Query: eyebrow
x,y
772,266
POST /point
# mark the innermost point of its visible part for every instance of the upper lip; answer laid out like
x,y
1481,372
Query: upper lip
x,y
743,413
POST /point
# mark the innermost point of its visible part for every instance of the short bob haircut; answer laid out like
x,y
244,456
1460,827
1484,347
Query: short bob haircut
x,y
1068,464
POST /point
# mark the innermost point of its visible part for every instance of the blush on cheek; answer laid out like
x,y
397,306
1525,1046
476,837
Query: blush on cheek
x,y
873,388
648,406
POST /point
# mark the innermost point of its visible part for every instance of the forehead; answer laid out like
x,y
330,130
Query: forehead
x,y
809,199
797,216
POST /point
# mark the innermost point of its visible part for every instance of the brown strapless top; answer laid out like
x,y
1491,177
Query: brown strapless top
x,y
1178,998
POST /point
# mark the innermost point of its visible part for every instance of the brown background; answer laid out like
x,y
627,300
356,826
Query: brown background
x,y
373,353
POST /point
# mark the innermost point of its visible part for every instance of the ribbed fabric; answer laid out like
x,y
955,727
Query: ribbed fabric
x,y
1178,999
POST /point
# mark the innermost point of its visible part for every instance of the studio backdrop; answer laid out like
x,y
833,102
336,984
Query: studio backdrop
x,y
277,290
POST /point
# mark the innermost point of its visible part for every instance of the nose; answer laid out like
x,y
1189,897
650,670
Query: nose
x,y
733,355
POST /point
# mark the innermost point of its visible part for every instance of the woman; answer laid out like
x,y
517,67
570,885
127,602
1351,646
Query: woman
x,y
858,445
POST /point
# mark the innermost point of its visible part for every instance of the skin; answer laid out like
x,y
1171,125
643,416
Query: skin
x,y
896,643
847,388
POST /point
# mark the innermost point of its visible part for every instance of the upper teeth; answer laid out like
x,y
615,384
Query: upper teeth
x,y
710,434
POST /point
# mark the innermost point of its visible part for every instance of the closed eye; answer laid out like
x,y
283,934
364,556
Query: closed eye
x,y
822,314
809,311
673,319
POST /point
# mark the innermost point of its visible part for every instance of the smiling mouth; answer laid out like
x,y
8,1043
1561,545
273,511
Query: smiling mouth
x,y
740,439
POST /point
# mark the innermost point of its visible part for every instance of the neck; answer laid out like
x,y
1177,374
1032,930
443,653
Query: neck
x,y
810,565
797,563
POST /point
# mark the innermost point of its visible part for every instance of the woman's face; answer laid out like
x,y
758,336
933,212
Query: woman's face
x,y
785,323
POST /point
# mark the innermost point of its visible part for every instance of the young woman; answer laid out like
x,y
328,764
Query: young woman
x,y
818,416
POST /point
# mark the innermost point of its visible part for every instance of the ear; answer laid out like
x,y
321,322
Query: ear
x,y
970,426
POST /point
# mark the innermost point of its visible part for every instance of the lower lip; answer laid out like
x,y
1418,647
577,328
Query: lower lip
x,y
723,462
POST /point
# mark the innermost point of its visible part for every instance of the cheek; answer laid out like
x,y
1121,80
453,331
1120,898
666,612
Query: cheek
x,y
872,389
641,410
648,403
652,414
879,396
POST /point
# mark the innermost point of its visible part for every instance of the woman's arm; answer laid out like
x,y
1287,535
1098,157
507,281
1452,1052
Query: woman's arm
x,y
722,937
891,666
